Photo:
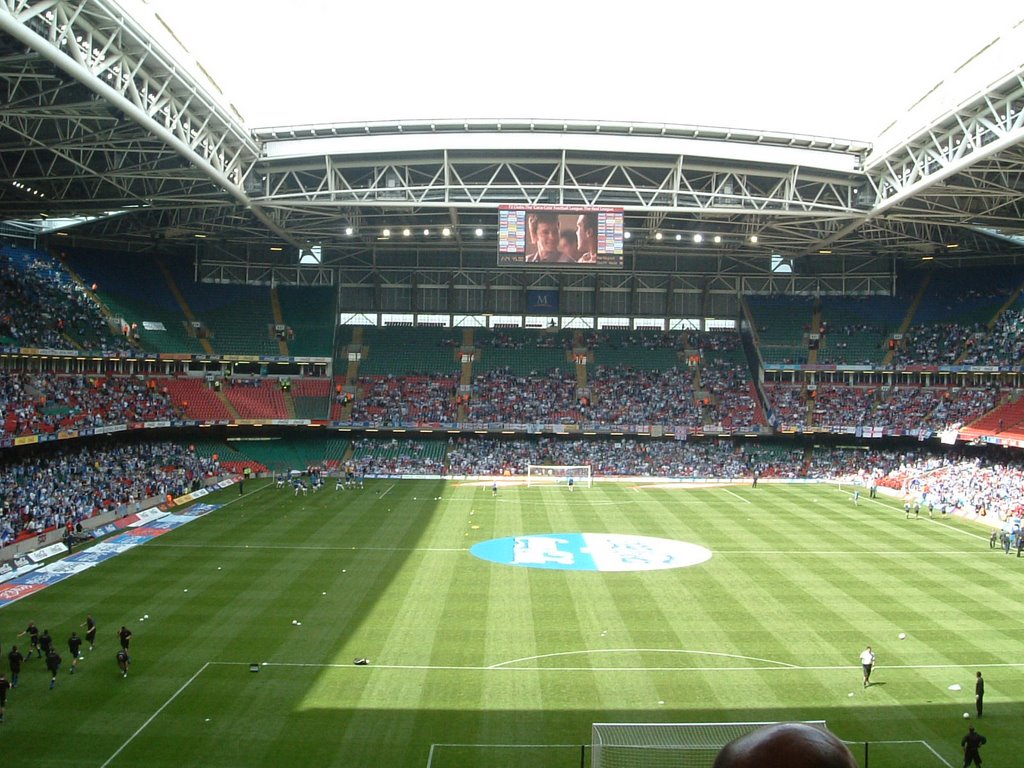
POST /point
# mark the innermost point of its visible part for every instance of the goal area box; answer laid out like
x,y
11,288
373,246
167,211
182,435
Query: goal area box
x,y
558,474
666,745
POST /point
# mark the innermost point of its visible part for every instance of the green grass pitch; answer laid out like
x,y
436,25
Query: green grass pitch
x,y
478,664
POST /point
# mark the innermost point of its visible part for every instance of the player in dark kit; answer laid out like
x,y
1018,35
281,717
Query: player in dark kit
x,y
53,664
90,631
5,686
125,636
45,643
979,694
972,743
14,658
74,644
123,661
33,639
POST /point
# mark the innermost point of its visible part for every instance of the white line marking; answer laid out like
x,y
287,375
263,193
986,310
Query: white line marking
x,y
827,552
929,748
935,521
759,552
640,650
154,715
782,666
430,756
513,746
903,741
387,491
306,547
745,501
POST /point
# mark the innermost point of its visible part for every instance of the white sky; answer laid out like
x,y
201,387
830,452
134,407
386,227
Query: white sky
x,y
825,68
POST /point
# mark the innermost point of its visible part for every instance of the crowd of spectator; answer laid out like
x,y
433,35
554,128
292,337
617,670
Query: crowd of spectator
x,y
501,396
986,484
638,339
423,399
788,404
1002,345
902,409
623,395
732,404
497,339
36,403
41,306
717,459
397,457
937,344
75,482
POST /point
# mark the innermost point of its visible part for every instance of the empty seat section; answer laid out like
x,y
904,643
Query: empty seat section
x,y
521,351
856,329
256,399
781,326
197,398
402,351
312,398
310,312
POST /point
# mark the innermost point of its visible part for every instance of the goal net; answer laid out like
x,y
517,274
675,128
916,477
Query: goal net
x,y
666,745
556,474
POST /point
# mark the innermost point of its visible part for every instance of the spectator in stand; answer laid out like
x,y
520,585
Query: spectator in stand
x,y
42,306
73,483
425,398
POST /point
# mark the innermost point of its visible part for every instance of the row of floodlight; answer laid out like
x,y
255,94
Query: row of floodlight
x,y
27,188
387,233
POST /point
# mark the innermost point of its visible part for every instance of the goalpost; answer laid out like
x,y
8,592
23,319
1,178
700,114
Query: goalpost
x,y
666,745
558,474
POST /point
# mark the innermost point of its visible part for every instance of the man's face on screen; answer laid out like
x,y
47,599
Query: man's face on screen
x,y
547,239
584,236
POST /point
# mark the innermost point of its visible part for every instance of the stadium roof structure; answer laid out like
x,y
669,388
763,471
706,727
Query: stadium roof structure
x,y
106,139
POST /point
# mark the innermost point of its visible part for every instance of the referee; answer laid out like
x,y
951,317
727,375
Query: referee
x,y
867,663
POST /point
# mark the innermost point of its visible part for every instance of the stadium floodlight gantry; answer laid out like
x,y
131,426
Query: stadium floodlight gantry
x,y
118,126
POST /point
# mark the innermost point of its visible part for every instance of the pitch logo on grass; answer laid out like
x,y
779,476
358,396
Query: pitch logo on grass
x,y
591,552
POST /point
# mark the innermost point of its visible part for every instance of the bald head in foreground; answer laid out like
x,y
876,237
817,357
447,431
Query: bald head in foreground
x,y
786,745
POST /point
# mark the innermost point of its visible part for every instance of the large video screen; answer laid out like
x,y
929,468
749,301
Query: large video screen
x,y
560,235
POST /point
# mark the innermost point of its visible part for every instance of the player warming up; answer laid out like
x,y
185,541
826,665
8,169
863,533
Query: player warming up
x,y
33,639
125,636
123,661
90,631
4,688
972,743
867,663
74,648
53,664
14,658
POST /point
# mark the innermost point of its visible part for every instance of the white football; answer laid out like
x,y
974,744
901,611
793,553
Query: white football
x,y
903,635
967,715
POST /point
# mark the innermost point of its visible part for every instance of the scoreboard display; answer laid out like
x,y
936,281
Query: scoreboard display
x,y
560,235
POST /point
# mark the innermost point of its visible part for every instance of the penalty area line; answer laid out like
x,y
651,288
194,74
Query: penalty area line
x,y
153,717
